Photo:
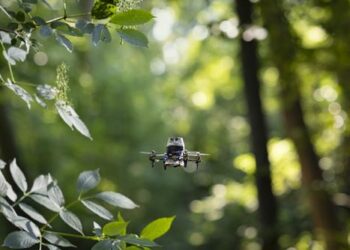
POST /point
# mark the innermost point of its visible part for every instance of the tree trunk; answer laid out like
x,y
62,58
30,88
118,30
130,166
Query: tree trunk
x,y
250,69
283,53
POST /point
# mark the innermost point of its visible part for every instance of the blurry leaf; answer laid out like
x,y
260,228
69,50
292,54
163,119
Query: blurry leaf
x,y
5,37
55,194
88,180
40,101
14,54
19,91
32,213
133,248
117,200
102,9
18,176
45,30
131,17
71,118
135,240
98,210
106,35
19,240
106,245
7,209
115,228
38,20
64,41
96,34
133,37
47,92
20,16
56,239
46,3
120,217
51,247
2,164
45,201
157,228
71,220
25,224
3,185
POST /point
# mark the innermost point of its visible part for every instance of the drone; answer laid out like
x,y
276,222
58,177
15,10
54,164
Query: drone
x,y
176,155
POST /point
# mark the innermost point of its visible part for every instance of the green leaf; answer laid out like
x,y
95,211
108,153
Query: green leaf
x,y
131,17
102,10
133,239
18,176
133,248
56,239
25,224
71,220
40,184
115,228
25,96
133,37
106,245
51,247
32,213
6,209
20,240
65,42
98,210
88,180
157,228
117,200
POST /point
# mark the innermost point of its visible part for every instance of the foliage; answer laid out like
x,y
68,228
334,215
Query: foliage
x,y
16,40
46,192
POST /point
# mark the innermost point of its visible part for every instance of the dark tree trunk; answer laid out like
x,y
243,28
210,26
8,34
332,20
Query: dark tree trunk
x,y
283,53
250,70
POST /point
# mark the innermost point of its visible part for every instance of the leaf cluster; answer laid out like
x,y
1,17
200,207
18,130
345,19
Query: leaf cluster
x,y
34,229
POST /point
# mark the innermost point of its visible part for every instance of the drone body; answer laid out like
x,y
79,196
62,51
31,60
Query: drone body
x,y
176,155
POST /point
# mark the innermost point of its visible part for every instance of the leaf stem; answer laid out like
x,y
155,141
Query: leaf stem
x,y
25,195
67,16
78,236
8,64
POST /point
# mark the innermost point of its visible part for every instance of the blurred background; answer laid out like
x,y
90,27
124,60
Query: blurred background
x,y
278,172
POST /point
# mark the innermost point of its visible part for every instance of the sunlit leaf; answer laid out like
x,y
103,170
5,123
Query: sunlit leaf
x,y
20,240
133,37
18,176
14,54
19,91
55,194
32,213
5,37
47,92
45,202
88,180
71,220
2,164
51,247
98,210
157,228
56,239
71,118
40,185
131,17
6,209
40,101
3,185
25,224
115,228
117,200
